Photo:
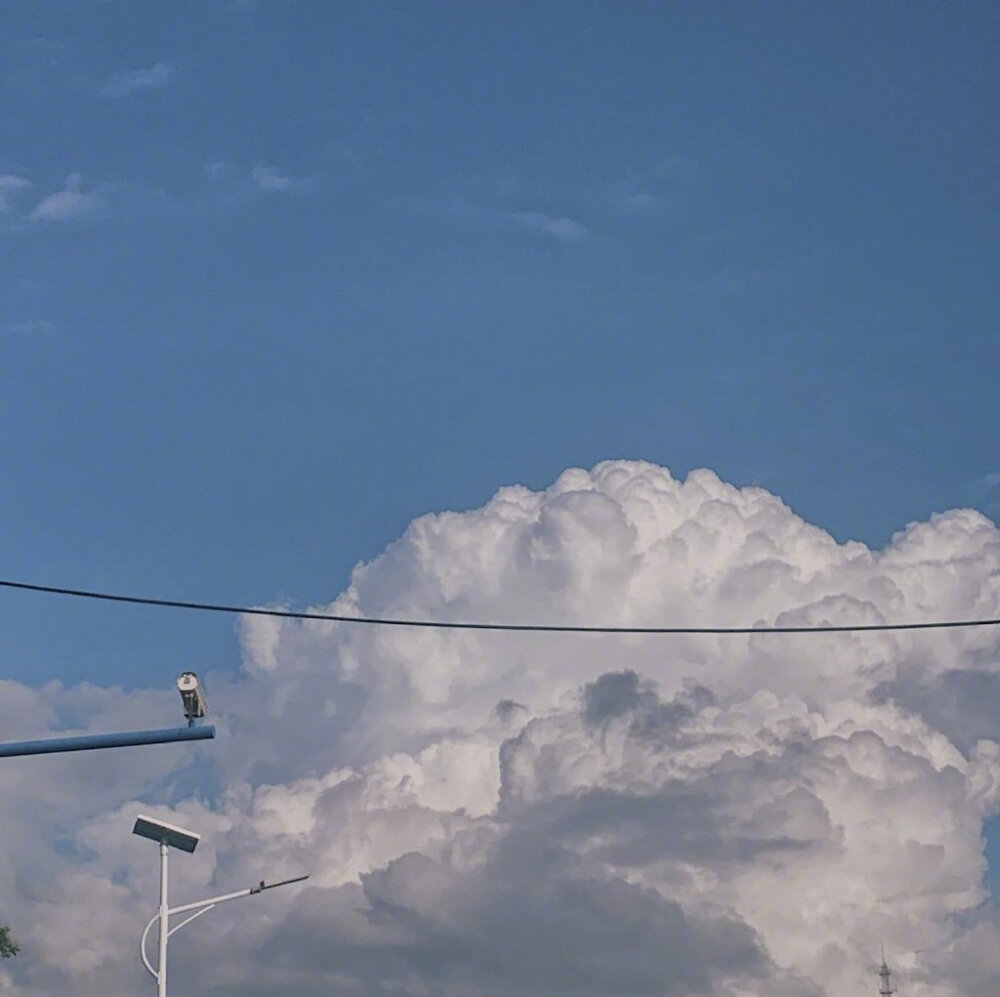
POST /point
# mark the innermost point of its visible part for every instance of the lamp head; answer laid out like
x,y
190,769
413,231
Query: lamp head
x,y
167,834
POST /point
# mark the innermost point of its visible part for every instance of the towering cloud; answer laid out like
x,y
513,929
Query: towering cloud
x,y
537,814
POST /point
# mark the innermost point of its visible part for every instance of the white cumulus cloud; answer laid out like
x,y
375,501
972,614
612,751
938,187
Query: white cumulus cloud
x,y
534,814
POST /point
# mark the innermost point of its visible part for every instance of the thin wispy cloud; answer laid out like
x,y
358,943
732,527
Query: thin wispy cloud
x,y
34,327
664,188
10,187
72,203
270,178
239,186
984,491
558,226
637,203
135,80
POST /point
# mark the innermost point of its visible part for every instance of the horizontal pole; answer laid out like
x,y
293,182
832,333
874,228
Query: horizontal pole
x,y
251,891
281,882
210,902
90,742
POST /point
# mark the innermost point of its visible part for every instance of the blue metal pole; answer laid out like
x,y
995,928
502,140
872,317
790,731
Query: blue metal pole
x,y
87,742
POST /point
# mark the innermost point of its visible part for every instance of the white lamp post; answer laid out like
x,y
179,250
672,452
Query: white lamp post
x,y
170,836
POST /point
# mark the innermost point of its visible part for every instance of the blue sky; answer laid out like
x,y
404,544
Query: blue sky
x,y
278,278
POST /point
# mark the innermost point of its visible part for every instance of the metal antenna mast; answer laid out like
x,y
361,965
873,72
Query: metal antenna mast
x,y
884,974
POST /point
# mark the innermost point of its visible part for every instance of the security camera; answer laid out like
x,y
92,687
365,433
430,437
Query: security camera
x,y
193,697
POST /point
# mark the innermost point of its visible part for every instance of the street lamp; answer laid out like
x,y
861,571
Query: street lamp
x,y
170,836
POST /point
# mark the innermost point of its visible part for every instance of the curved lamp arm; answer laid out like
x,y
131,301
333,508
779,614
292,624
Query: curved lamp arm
x,y
142,946
188,920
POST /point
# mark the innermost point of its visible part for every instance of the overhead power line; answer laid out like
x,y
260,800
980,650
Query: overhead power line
x,y
291,614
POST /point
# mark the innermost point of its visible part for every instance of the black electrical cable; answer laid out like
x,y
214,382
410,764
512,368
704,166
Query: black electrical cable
x,y
522,627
